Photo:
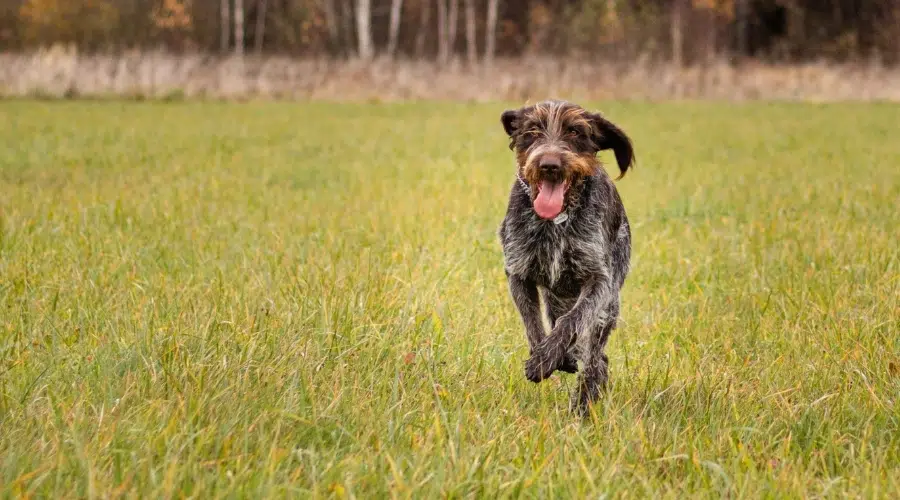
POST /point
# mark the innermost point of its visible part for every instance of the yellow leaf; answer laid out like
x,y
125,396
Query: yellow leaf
x,y
337,489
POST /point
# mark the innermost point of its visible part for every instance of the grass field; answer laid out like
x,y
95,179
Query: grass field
x,y
308,300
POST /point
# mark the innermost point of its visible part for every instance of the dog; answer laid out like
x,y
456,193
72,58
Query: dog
x,y
566,240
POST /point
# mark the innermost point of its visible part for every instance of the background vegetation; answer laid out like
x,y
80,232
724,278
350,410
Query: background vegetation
x,y
451,49
687,31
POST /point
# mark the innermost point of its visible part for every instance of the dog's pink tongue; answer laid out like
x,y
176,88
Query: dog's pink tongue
x,y
549,201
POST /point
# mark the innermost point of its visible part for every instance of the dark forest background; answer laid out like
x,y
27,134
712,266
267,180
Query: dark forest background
x,y
685,32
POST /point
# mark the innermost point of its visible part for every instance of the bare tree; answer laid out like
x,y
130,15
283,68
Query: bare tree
x,y
443,45
796,28
712,44
260,32
239,27
331,22
394,29
740,12
347,16
490,42
364,29
677,33
424,21
471,49
448,14
452,24
225,27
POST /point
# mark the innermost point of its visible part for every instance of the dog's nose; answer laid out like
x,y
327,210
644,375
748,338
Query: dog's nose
x,y
550,164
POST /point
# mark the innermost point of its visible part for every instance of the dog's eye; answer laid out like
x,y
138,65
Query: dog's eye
x,y
530,135
572,131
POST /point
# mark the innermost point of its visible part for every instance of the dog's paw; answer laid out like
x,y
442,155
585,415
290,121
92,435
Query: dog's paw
x,y
590,388
542,364
584,398
537,369
569,364
580,406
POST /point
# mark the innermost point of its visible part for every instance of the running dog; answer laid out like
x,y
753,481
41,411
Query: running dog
x,y
566,240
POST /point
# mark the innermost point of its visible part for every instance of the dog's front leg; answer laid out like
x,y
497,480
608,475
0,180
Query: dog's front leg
x,y
550,354
525,296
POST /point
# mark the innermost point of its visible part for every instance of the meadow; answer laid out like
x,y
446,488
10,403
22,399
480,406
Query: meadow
x,y
307,300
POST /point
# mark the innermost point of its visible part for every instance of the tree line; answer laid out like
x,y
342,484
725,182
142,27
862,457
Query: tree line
x,y
683,31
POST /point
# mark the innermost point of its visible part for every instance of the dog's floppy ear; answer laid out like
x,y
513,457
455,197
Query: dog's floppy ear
x,y
512,120
607,135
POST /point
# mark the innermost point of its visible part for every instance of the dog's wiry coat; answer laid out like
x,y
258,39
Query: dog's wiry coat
x,y
566,276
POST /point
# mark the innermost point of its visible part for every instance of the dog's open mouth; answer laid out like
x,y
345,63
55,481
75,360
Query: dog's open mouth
x,y
549,201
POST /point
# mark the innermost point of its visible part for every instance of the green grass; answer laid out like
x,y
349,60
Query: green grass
x,y
252,300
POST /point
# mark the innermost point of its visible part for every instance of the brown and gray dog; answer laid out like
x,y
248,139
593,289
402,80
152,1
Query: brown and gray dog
x,y
566,240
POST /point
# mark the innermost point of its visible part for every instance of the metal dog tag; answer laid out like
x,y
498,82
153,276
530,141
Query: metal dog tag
x,y
561,218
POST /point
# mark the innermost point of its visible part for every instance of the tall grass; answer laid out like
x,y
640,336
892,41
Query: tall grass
x,y
255,300
58,72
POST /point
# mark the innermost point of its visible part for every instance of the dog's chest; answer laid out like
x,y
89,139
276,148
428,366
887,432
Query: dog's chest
x,y
552,257
546,261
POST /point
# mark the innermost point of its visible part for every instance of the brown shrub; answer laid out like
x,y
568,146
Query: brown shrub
x,y
62,72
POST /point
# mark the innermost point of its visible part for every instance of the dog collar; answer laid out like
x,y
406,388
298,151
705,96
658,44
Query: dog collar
x,y
559,219
524,185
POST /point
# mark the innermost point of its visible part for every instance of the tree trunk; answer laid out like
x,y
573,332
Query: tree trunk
x,y
364,29
796,33
712,41
331,23
443,39
239,28
490,42
394,29
424,21
741,13
225,27
348,27
452,24
471,49
677,33
260,33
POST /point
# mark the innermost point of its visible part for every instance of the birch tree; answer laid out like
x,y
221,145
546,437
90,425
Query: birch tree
x,y
452,25
239,28
347,21
260,33
471,49
490,42
364,29
394,27
424,20
448,15
676,32
225,26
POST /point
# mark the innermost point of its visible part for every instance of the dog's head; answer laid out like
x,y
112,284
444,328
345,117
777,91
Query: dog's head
x,y
556,145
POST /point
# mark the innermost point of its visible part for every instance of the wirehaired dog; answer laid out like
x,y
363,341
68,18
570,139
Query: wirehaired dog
x,y
566,240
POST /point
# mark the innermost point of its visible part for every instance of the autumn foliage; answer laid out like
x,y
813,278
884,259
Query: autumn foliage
x,y
695,31
88,22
